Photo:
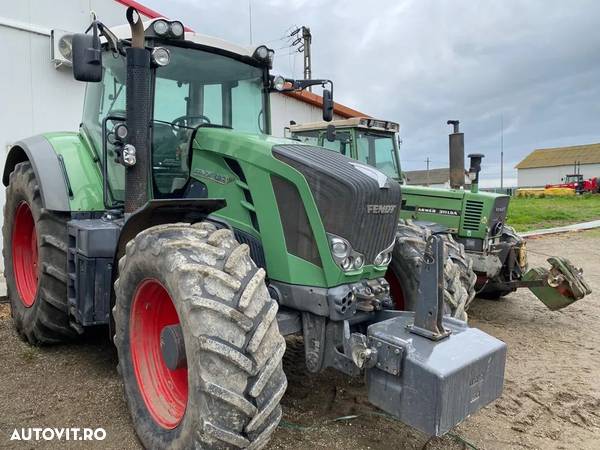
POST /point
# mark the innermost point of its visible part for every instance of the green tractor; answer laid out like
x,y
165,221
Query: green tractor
x,y
474,219
173,218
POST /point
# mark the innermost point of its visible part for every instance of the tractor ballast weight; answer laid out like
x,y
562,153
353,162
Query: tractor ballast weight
x,y
229,238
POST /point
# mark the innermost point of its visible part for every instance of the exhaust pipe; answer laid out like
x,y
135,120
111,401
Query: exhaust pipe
x,y
138,175
456,143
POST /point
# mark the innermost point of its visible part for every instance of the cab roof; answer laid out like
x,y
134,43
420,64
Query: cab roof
x,y
124,32
367,123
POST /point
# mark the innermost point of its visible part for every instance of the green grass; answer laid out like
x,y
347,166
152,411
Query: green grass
x,y
528,213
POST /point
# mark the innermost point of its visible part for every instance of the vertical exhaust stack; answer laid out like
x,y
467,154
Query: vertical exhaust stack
x,y
456,142
137,176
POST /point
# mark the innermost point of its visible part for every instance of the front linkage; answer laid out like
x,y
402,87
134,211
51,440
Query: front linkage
x,y
416,364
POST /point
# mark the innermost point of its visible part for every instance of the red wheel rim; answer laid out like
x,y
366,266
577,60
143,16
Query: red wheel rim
x,y
25,254
396,291
164,391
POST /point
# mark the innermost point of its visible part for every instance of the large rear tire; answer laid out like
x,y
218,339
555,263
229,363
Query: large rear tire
x,y
35,261
228,393
407,257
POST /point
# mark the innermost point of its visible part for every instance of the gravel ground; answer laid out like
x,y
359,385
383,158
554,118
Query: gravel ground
x,y
551,397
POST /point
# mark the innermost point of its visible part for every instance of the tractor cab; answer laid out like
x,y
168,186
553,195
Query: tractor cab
x,y
573,178
197,81
370,141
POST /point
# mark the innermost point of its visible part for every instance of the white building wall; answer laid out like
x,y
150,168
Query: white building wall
x,y
540,176
284,109
35,97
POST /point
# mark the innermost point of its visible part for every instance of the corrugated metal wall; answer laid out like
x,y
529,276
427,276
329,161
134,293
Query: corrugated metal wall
x,y
284,109
539,177
34,96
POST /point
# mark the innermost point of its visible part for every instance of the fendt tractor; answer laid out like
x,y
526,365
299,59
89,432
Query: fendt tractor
x,y
475,220
173,218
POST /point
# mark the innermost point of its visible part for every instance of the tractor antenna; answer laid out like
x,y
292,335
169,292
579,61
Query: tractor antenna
x,y
502,151
250,18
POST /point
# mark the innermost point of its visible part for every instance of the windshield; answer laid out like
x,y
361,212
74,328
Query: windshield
x,y
378,150
200,88
196,88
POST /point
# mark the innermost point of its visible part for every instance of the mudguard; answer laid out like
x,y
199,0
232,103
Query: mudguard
x,y
49,171
66,168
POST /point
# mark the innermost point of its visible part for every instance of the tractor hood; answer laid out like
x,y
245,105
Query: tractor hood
x,y
469,214
303,196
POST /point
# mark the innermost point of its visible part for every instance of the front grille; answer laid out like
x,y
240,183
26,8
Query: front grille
x,y
299,238
472,219
348,199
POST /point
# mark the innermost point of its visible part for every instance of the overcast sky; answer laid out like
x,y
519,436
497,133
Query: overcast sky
x,y
534,63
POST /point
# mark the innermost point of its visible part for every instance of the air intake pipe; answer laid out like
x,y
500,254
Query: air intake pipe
x,y
138,174
456,143
474,170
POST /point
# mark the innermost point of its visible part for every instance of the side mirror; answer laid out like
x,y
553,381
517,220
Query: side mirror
x,y
87,57
330,134
327,106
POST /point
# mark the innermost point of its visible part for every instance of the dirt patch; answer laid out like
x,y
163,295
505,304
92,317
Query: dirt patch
x,y
551,397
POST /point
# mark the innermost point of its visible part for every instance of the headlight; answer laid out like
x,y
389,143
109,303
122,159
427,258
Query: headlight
x,y
347,264
278,82
344,255
167,29
340,248
384,257
161,56
262,52
161,27
177,29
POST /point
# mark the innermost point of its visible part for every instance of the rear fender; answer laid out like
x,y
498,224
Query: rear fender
x,y
159,212
66,169
49,171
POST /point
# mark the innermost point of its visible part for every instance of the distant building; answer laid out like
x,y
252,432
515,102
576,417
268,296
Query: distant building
x,y
548,165
438,178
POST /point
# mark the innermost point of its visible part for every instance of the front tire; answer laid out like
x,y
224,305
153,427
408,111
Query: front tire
x,y
35,261
228,393
407,257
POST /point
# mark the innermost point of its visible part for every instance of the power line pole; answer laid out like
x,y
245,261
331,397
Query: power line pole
x,y
302,40
307,39
502,151
427,161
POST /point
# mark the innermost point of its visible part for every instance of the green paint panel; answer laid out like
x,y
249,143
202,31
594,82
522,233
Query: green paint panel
x,y
82,169
253,154
449,207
